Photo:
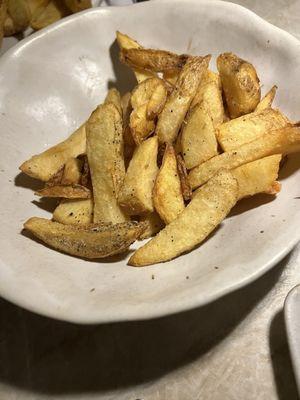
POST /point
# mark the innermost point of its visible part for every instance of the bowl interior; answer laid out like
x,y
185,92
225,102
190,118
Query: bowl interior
x,y
51,82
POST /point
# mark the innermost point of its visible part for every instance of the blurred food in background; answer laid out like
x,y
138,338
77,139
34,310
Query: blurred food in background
x,y
18,15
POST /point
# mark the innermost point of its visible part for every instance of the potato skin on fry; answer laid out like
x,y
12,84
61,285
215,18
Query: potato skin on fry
x,y
44,165
183,176
87,241
204,213
153,60
167,194
135,196
240,84
176,106
74,191
280,141
106,161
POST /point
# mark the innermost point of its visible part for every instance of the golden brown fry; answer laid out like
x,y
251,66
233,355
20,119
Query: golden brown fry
x,y
135,196
167,194
74,191
258,176
183,176
152,60
53,12
153,224
205,212
44,165
240,84
176,107
198,141
77,5
74,212
126,42
105,156
281,141
210,94
88,241
267,100
140,126
238,131
113,96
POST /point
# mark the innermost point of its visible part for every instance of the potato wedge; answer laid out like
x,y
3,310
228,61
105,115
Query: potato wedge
x,y
140,126
167,195
280,141
177,105
135,196
183,176
240,84
210,94
267,100
152,91
205,212
198,140
53,12
74,191
72,172
77,5
19,12
87,241
153,225
152,60
105,155
74,212
126,42
113,96
44,165
257,176
234,133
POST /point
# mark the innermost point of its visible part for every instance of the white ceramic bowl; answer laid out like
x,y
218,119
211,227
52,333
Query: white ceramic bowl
x,y
51,82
